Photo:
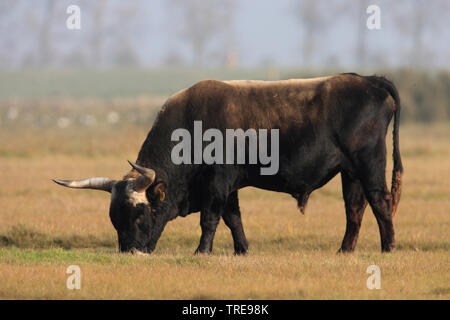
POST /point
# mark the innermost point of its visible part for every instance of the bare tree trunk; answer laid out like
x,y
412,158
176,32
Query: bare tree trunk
x,y
417,54
310,16
44,44
98,32
361,41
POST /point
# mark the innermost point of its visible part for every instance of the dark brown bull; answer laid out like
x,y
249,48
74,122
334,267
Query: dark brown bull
x,y
326,126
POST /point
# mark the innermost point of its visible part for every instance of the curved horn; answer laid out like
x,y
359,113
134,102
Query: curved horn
x,y
145,180
104,184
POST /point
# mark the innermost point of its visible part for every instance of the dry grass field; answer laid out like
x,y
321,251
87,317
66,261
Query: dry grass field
x,y
45,228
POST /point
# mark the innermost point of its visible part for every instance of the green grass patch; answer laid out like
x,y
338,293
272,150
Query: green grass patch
x,y
22,236
58,255
119,82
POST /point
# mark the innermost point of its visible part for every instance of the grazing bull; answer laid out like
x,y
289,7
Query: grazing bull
x,y
327,125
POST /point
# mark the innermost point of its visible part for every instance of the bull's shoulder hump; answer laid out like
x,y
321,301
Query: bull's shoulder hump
x,y
208,84
178,95
176,99
200,90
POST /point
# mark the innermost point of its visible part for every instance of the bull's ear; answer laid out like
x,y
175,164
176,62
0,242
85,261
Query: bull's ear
x,y
159,191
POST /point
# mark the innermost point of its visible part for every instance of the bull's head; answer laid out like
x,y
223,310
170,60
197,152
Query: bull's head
x,y
137,223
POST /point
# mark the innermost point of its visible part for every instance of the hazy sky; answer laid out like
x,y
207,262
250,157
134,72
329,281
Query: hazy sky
x,y
263,32
269,31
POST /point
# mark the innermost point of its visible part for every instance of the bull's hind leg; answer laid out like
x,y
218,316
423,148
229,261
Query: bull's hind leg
x,y
232,218
380,201
355,204
373,178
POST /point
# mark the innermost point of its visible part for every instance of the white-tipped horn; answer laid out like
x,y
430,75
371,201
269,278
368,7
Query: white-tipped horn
x,y
145,180
149,173
104,184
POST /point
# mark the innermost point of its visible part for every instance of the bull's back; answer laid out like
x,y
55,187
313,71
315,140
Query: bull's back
x,y
258,104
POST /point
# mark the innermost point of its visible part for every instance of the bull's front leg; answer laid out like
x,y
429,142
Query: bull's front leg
x,y
209,219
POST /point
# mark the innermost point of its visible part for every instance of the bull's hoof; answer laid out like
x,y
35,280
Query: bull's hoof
x,y
240,250
387,249
202,252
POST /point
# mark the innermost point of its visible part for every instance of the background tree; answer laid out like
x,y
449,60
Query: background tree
x,y
201,22
421,21
100,11
310,15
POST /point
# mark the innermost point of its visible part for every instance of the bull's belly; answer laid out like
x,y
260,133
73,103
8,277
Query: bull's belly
x,y
296,183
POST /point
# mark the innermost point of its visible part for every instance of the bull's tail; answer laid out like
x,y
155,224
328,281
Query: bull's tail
x,y
396,186
397,171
